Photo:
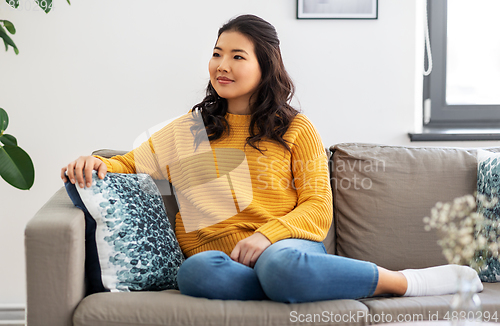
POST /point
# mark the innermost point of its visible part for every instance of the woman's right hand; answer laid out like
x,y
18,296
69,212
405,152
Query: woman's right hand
x,y
83,165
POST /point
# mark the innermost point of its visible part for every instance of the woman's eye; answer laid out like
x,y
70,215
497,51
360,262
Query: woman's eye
x,y
215,55
238,57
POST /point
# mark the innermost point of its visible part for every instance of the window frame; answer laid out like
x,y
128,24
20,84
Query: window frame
x,y
442,115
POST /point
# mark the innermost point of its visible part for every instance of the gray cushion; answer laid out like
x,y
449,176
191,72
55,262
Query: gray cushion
x,y
108,153
382,193
172,308
330,240
429,307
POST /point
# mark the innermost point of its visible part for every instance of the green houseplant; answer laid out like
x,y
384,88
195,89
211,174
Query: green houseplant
x,y
46,6
8,27
16,166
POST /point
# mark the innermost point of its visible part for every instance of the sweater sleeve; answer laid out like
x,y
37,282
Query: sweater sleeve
x,y
165,147
312,216
140,160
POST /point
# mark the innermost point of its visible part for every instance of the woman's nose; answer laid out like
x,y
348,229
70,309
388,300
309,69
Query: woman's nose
x,y
223,67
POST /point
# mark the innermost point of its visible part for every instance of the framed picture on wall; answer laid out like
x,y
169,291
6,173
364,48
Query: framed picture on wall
x,y
337,9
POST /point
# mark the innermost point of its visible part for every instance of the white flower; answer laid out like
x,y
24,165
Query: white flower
x,y
481,241
463,230
468,253
493,247
466,239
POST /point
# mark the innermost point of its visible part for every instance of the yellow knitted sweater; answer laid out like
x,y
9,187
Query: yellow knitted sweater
x,y
227,191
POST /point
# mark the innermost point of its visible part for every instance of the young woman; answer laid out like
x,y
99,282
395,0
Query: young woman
x,y
270,248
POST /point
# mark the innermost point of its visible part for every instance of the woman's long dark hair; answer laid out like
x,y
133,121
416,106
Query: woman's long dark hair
x,y
270,109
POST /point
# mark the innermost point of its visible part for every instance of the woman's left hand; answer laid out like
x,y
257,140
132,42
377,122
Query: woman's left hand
x,y
248,250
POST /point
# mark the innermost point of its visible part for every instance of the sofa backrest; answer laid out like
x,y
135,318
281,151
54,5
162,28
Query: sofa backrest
x,y
382,193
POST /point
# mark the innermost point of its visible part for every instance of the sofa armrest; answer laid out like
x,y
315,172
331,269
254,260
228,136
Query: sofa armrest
x,y
55,262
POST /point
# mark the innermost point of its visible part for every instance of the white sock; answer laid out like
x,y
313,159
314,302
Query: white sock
x,y
438,280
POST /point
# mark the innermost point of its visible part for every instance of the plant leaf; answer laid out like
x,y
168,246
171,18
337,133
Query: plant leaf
x,y
9,26
7,139
16,167
46,5
7,39
69,3
4,120
13,3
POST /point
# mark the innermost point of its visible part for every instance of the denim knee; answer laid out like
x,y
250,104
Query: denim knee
x,y
195,274
280,275
214,275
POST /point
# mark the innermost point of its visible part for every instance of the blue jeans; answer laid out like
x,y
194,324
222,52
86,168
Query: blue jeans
x,y
290,270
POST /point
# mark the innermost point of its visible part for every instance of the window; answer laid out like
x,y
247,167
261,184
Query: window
x,y
462,93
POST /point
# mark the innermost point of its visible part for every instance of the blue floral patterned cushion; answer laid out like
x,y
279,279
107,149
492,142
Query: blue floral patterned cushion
x,y
130,243
488,184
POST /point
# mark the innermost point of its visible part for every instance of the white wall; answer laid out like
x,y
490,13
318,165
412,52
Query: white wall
x,y
97,73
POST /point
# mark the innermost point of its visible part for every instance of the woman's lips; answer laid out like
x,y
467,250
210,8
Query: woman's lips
x,y
224,80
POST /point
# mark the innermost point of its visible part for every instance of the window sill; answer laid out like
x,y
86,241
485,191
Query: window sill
x,y
455,134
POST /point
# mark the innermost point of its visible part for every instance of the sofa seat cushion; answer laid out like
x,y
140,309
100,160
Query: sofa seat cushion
x,y
172,308
406,309
382,193
489,300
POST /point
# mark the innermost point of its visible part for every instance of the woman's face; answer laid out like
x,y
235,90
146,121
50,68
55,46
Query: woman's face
x,y
234,69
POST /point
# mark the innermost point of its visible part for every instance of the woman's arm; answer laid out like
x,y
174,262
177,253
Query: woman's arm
x,y
248,250
84,165
312,217
140,160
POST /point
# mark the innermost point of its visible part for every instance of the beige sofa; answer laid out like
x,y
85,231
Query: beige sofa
x,y
381,194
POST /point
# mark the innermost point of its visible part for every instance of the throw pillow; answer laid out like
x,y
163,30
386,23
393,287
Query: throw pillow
x,y
129,240
488,184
